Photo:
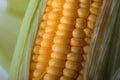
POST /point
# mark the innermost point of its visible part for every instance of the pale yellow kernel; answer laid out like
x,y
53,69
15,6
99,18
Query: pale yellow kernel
x,y
44,51
58,56
67,20
98,0
86,48
70,73
81,23
63,33
57,63
55,71
69,5
78,33
34,57
74,57
43,58
52,22
43,24
50,77
77,50
48,36
91,24
61,40
53,15
50,29
38,73
77,42
72,1
49,2
57,3
66,27
65,78
41,66
92,17
96,4
83,13
87,40
85,6
73,65
46,43
69,13
38,41
88,32
40,33
94,10
36,49
85,1
61,48
45,16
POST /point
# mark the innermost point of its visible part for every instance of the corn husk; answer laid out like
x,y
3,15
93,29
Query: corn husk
x,y
20,63
103,58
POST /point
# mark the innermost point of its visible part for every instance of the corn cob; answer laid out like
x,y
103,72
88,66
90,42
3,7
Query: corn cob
x,y
63,39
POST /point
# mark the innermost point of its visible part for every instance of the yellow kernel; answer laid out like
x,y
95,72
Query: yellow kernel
x,y
41,66
38,41
61,48
71,6
77,50
52,22
61,40
94,10
88,32
85,6
78,33
53,15
69,13
46,43
36,49
50,77
65,78
92,17
85,1
34,57
96,4
43,24
58,56
57,3
54,70
73,65
65,27
83,13
63,33
38,73
67,20
57,63
74,57
77,42
70,73
43,58
81,23
48,9
45,16
91,24
87,40
49,2
44,50
50,29
48,36
86,48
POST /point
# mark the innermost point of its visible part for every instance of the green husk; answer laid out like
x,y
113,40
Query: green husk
x,y
20,63
103,58
9,28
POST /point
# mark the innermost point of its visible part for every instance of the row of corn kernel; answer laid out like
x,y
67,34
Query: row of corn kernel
x,y
61,44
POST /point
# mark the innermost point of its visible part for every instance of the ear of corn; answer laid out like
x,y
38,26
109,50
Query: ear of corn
x,y
56,45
